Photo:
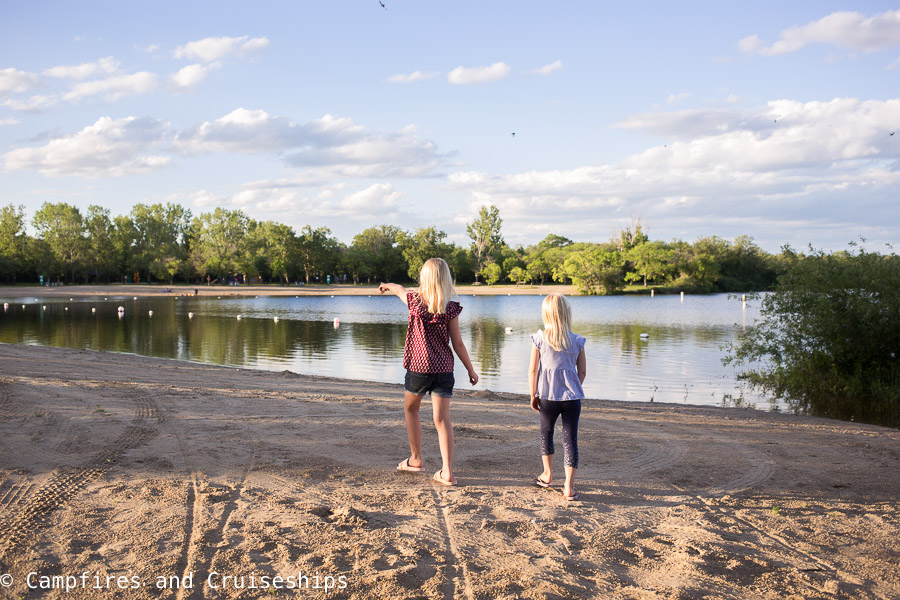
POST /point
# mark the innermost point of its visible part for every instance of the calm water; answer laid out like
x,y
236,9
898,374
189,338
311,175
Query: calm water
x,y
680,362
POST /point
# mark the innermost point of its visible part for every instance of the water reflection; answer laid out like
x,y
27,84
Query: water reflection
x,y
678,362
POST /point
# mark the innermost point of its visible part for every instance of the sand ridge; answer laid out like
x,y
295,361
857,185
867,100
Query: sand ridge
x,y
134,467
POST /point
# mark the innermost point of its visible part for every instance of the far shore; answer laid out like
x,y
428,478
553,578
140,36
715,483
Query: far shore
x,y
160,289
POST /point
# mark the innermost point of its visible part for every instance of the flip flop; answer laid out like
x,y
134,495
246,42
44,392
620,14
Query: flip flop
x,y
437,477
540,482
405,466
572,497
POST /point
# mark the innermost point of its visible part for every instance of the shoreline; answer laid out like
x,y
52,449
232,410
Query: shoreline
x,y
144,467
146,290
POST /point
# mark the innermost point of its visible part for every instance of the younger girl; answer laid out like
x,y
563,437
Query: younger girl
x,y
555,375
433,327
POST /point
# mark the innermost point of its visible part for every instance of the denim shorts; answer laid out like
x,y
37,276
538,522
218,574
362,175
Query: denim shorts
x,y
439,384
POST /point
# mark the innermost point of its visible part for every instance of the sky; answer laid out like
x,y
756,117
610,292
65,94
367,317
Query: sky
x,y
767,119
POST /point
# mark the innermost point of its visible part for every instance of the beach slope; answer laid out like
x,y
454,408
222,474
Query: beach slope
x,y
215,482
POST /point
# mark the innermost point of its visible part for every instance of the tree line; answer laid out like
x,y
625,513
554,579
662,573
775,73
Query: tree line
x,y
167,243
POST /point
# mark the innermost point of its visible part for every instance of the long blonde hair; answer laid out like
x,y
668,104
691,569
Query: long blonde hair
x,y
557,317
436,285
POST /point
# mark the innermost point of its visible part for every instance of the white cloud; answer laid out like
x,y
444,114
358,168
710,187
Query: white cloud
x,y
546,69
835,160
151,49
15,81
36,103
108,148
850,30
105,65
414,76
115,87
241,130
295,206
217,48
463,75
331,144
188,77
9,121
379,197
675,98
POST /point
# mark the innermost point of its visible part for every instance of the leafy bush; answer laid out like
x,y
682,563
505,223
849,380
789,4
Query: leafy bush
x,y
829,337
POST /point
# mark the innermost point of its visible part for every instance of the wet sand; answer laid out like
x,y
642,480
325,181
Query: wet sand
x,y
141,468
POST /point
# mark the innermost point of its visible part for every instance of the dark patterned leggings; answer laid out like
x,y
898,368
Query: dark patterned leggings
x,y
570,411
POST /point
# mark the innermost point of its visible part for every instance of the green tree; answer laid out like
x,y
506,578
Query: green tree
x,y
425,243
280,245
220,239
517,275
123,238
593,270
12,241
630,237
492,273
828,337
317,251
650,260
486,236
100,251
61,226
160,246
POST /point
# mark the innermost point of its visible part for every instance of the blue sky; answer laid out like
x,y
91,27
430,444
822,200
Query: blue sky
x,y
769,119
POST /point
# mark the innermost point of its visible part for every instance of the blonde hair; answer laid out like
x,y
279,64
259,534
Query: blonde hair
x,y
557,317
436,285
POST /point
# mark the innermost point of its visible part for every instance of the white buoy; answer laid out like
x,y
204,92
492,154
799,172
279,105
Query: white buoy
x,y
337,322
652,293
121,309
238,317
190,315
23,307
44,307
67,308
70,299
93,310
275,319
5,305
682,296
149,313
135,297
645,336
106,298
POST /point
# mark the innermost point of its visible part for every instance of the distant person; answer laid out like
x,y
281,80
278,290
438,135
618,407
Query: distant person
x,y
433,328
555,374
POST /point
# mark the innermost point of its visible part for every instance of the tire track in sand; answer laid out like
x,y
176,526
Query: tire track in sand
x,y
66,483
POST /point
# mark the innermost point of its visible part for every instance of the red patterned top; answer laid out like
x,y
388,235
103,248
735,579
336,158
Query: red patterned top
x,y
427,347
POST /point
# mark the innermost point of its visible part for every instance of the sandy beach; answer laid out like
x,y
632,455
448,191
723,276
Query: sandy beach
x,y
131,477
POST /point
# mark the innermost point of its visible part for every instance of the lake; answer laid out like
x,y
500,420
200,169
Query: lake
x,y
679,362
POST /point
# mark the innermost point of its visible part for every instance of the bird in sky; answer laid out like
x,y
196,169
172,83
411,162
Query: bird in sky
x,y
514,134
892,133
382,4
